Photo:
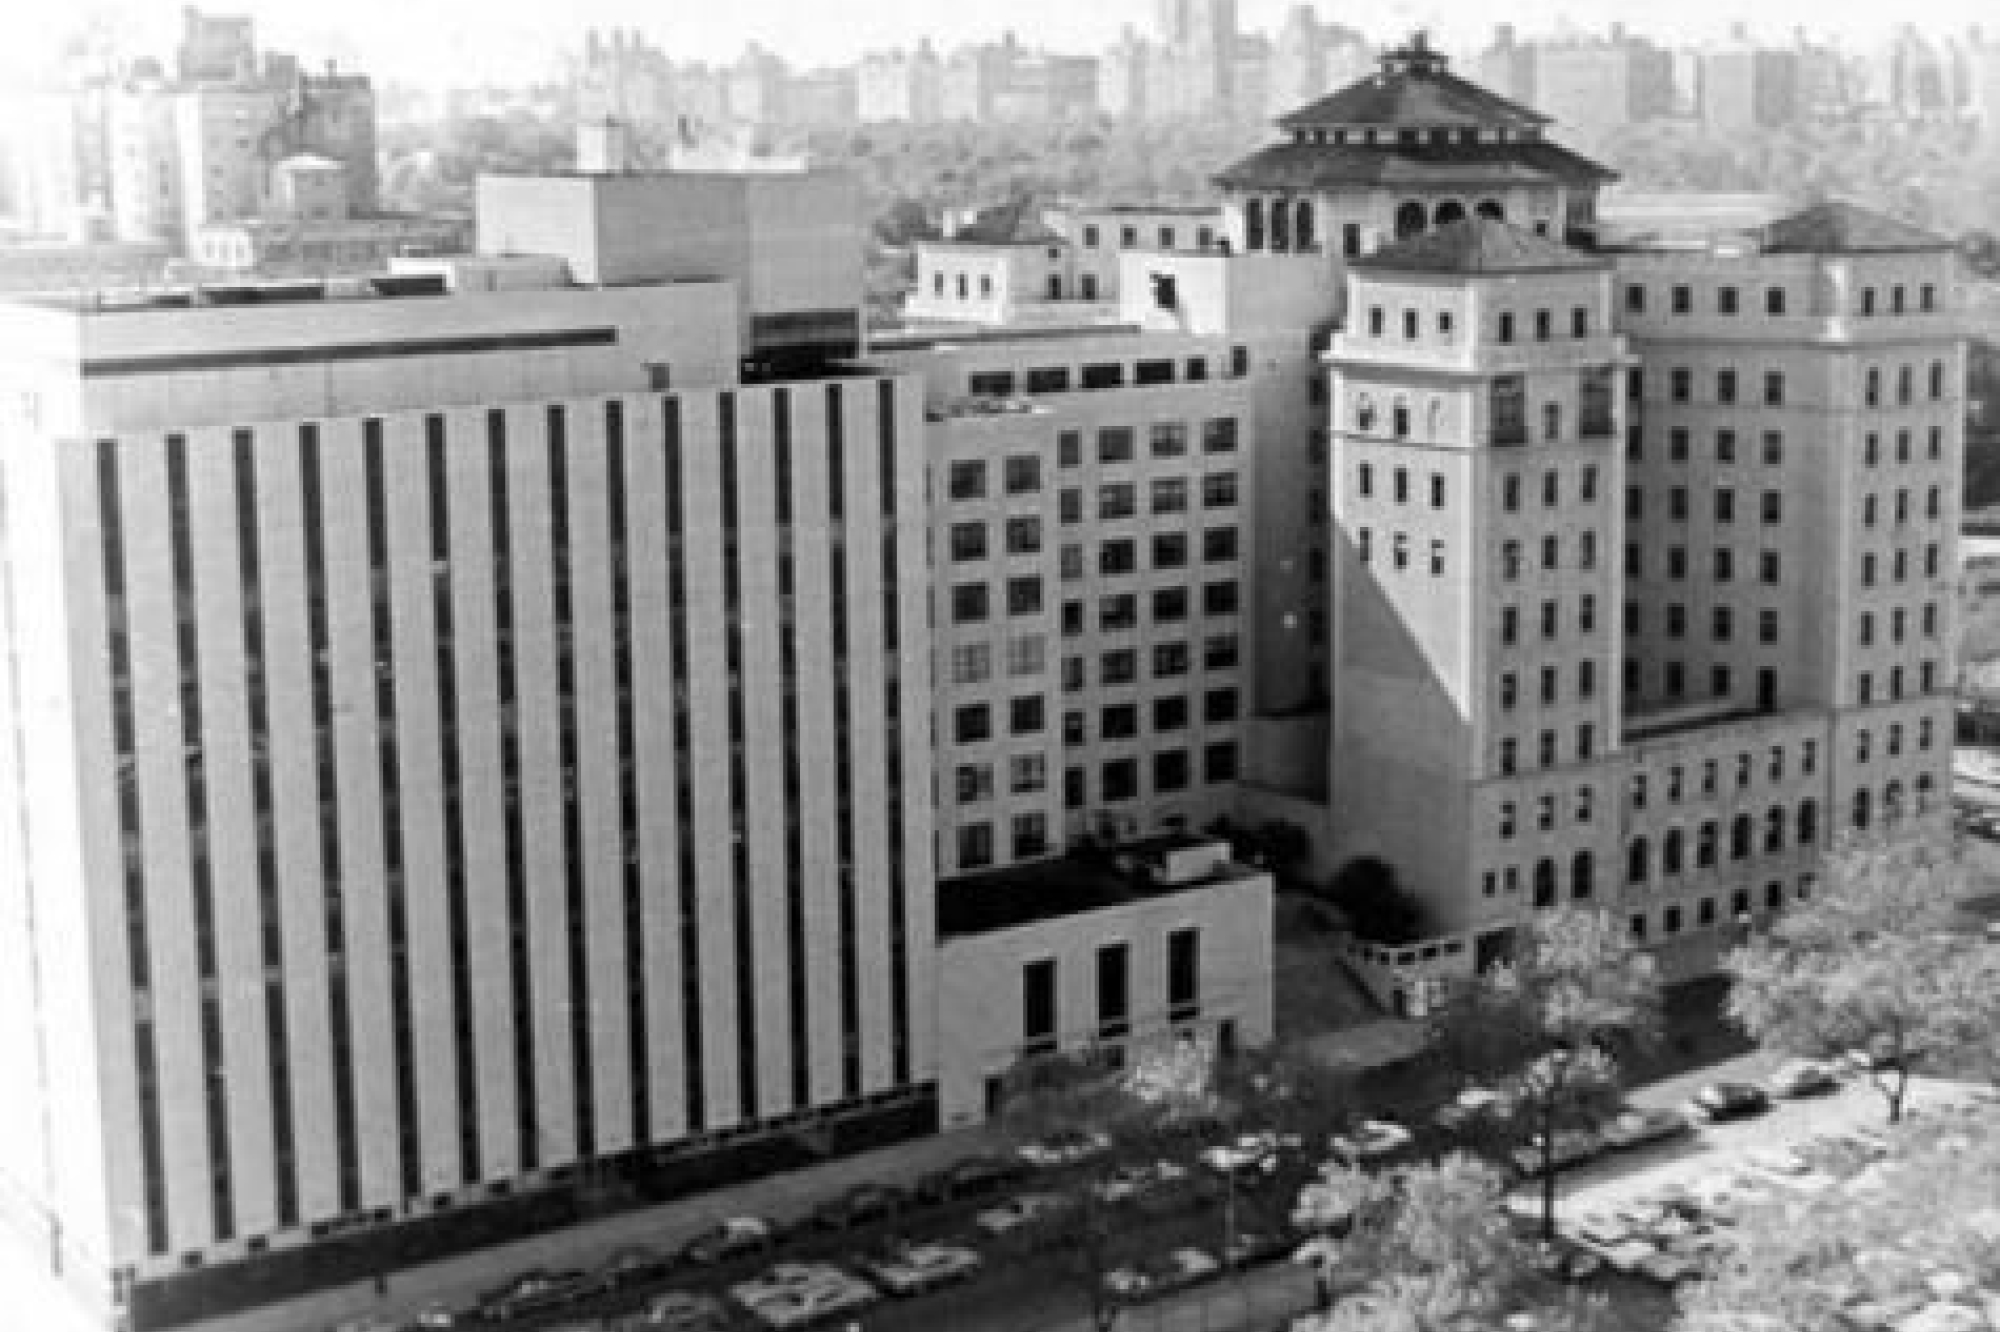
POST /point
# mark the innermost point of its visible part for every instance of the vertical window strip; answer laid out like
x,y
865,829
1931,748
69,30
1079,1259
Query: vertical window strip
x,y
739,793
899,944
576,920
409,1137
271,925
346,1140
843,725
506,668
693,1059
629,835
788,670
451,768
201,875
132,837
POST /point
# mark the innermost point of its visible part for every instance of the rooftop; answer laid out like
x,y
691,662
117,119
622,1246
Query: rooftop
x,y
1842,228
1015,223
1414,89
1042,890
1479,246
1320,166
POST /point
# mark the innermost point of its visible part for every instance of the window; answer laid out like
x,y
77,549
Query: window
x,y
1038,1006
969,603
1218,435
972,723
1508,409
1635,298
1169,494
1024,596
974,782
968,541
1218,544
1725,300
1115,444
1683,298
1114,965
1024,535
1579,322
1725,386
1506,328
1680,384
1774,388
1116,499
967,480
1774,300
1170,550
971,663
1183,975
1218,490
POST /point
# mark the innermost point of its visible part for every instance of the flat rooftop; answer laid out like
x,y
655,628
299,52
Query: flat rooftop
x,y
1068,885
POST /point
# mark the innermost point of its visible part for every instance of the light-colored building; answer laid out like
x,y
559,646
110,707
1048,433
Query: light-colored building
x,y
288,247
1745,86
1587,85
900,86
444,707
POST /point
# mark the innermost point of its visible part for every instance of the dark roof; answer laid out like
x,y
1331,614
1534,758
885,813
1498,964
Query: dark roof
x,y
1841,228
1479,245
1013,223
1048,889
1323,166
1414,89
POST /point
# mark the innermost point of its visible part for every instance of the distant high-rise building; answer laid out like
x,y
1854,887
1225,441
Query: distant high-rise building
x,y
1124,77
1590,84
1196,69
900,86
1746,86
215,48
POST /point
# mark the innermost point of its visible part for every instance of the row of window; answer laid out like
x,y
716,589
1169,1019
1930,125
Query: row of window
x,y
1895,684
972,723
1170,661
1722,622
1548,749
1673,918
1771,448
1512,554
1729,299
1128,236
1777,825
1550,692
1722,568
1770,505
1551,619
1899,565
1114,997
1674,784
1680,385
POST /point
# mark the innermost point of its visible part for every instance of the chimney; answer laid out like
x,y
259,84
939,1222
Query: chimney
x,y
603,147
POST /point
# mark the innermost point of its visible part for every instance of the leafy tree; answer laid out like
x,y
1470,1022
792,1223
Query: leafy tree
x,y
1874,961
1818,1262
1375,902
1546,1029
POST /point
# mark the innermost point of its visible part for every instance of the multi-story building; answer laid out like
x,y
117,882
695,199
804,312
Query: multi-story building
x,y
1593,84
1745,86
900,86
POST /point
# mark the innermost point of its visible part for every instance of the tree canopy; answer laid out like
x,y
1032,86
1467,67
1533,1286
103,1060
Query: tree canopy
x,y
1875,961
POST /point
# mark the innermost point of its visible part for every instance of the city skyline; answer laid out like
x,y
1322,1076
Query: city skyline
x,y
451,44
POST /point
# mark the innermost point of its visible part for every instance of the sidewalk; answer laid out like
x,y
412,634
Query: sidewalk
x,y
462,1279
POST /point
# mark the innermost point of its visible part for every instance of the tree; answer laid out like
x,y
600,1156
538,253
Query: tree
x,y
1548,1029
1818,1262
1376,904
1874,961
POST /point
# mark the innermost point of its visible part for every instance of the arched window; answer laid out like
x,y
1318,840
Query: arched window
x,y
1582,876
1492,208
1448,212
1638,861
1253,225
1409,220
1774,831
1861,808
1545,882
1808,822
1740,833
1705,845
1552,421
1670,851
1364,414
1281,226
1302,231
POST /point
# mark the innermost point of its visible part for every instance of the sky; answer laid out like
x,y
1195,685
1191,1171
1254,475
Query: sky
x,y
454,42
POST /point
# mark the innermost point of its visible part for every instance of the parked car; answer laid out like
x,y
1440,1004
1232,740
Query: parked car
x,y
676,1311
1178,1270
1021,1210
914,1268
794,1294
1371,1140
1468,1108
631,1266
435,1317
1720,1101
533,1291
858,1206
1066,1147
1247,1248
732,1237
1572,1147
1250,1151
970,1178
1635,1127
1802,1077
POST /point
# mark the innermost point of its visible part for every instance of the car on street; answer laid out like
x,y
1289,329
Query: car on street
x,y
1023,1209
1247,1248
1371,1140
1469,1108
1178,1270
634,1265
732,1237
1129,1183
858,1206
1637,1127
1802,1077
1720,1101
1571,1147
434,1317
970,1177
1065,1147
912,1269
1250,1151
676,1311
533,1291
795,1294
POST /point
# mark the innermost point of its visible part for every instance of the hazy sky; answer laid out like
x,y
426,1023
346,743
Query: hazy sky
x,y
444,42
